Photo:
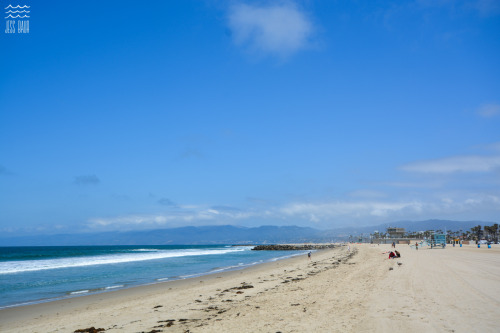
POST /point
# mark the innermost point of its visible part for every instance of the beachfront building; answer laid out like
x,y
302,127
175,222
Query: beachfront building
x,y
396,232
392,235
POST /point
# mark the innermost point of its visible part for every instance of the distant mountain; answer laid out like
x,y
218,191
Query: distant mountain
x,y
186,235
228,234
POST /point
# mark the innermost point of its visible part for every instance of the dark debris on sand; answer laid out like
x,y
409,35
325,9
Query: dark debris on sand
x,y
244,285
90,330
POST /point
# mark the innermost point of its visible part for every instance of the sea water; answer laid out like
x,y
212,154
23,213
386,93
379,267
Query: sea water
x,y
39,274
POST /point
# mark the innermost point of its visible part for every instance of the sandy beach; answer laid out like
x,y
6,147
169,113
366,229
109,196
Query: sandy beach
x,y
452,290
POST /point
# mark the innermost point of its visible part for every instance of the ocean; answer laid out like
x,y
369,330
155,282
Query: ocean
x,y
39,274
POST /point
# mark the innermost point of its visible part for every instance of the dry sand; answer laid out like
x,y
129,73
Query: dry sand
x,y
451,290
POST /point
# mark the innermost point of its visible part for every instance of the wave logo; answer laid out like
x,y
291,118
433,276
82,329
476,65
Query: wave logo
x,y
14,12
17,19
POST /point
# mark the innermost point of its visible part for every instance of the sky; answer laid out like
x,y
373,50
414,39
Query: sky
x,y
127,115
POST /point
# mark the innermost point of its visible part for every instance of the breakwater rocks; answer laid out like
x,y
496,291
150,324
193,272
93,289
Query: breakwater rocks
x,y
289,247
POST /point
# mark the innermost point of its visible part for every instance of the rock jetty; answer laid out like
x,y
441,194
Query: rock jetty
x,y
290,247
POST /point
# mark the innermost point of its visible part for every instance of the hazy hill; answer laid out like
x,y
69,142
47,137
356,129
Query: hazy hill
x,y
186,235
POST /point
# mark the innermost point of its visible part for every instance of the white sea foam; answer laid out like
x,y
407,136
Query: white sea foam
x,y
228,268
217,270
11,267
79,292
114,287
190,276
289,256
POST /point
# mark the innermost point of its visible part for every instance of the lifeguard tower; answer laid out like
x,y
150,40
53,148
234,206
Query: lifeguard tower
x,y
438,241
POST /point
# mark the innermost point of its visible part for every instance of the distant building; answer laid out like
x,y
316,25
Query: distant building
x,y
396,232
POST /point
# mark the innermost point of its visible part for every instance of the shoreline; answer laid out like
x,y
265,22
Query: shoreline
x,y
103,290
45,307
436,290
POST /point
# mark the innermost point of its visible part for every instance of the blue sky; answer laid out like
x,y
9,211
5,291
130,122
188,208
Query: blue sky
x,y
122,115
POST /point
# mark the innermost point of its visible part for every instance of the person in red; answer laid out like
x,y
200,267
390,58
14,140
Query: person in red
x,y
392,255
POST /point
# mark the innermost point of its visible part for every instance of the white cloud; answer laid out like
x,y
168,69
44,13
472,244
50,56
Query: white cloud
x,y
330,210
327,214
279,29
192,214
471,205
489,110
471,195
128,220
455,164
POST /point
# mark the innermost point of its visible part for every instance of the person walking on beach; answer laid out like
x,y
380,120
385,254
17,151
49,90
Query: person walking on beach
x,y
416,246
394,244
309,255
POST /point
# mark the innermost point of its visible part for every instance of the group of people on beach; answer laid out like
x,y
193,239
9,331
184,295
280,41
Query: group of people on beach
x,y
394,254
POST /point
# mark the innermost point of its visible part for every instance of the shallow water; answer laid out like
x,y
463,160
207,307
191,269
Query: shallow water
x,y
38,274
